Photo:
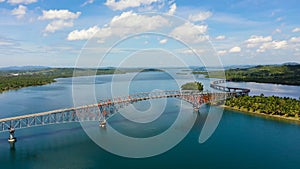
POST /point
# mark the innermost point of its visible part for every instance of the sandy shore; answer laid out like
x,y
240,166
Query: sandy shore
x,y
267,116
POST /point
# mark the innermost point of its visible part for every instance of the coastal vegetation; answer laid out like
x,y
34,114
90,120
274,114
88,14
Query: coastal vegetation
x,y
192,86
283,74
17,82
16,79
272,105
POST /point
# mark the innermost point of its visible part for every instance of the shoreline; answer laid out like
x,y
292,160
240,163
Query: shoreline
x,y
35,85
292,120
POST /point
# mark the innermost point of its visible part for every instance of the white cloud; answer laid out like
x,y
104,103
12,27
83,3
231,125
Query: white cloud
x,y
259,39
191,51
59,14
277,31
21,1
87,2
220,37
85,34
6,43
255,40
121,25
296,30
130,22
189,32
252,45
2,1
172,9
60,19
272,45
123,4
222,52
235,49
201,16
295,39
163,41
279,19
57,25
19,12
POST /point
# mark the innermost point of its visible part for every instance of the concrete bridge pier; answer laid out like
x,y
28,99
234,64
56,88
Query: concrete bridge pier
x,y
12,137
102,123
196,109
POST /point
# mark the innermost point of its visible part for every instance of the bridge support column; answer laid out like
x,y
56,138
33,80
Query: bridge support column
x,y
102,123
12,137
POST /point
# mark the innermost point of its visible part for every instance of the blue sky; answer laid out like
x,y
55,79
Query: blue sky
x,y
53,33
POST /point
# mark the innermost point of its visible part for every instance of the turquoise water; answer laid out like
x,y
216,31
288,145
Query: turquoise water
x,y
240,141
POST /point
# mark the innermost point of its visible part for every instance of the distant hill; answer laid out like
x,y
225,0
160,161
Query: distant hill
x,y
291,63
202,68
22,68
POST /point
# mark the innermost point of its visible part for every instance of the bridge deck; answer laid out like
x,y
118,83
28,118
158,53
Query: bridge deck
x,y
108,107
44,113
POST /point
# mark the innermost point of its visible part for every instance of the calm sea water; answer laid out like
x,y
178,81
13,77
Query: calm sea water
x,y
240,141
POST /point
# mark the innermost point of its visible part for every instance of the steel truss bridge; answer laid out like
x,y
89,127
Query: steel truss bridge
x,y
106,108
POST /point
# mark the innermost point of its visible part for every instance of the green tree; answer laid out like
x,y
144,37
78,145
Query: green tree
x,y
192,86
199,86
269,105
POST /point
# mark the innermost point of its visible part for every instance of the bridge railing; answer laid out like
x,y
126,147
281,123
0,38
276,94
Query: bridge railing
x,y
236,90
105,108
83,113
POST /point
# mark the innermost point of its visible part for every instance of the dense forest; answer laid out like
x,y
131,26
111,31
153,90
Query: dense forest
x,y
272,105
284,74
16,82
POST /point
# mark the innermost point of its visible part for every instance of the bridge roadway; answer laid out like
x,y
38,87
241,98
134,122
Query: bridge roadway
x,y
215,85
104,109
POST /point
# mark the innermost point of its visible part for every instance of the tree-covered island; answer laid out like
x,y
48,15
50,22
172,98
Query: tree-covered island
x,y
271,106
192,86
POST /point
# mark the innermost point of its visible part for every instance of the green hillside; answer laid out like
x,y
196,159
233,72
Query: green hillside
x,y
285,74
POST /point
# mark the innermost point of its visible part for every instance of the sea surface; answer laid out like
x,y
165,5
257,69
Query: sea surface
x,y
240,140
